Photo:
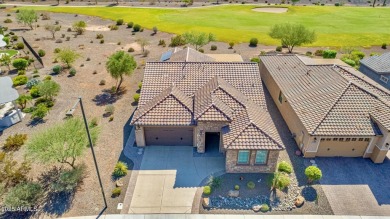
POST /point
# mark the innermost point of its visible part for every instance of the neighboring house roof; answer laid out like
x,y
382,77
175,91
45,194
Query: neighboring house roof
x,y
185,55
226,57
328,99
380,64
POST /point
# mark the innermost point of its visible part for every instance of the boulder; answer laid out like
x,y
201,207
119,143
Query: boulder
x,y
234,193
119,183
299,201
206,202
256,207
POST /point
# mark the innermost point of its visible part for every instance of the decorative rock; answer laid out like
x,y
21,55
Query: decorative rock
x,y
256,207
312,161
298,152
119,183
234,193
206,202
299,201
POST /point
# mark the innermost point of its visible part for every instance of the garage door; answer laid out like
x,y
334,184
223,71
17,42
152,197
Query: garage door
x,y
335,148
169,136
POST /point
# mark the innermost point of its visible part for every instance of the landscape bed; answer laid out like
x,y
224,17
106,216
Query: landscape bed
x,y
335,26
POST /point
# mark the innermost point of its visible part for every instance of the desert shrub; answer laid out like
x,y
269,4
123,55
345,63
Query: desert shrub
x,y
255,59
113,27
120,169
278,49
130,25
57,50
253,42
231,44
101,41
49,103
14,142
102,82
279,180
130,49
201,50
313,173
264,208
337,4
251,185
384,46
6,40
110,109
358,54
318,52
46,16
111,118
374,54
33,82
19,80
349,61
88,59
119,22
57,69
162,43
79,27
99,36
116,192
22,72
47,78
214,182
285,167
145,53
72,72
177,41
308,53
34,92
58,41
142,30
19,46
236,187
213,47
207,190
136,97
14,38
67,38
24,195
20,64
7,21
136,27
69,180
41,53
94,122
329,54
40,111
140,85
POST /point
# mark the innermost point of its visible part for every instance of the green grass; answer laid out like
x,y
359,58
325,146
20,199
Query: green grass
x,y
10,52
335,26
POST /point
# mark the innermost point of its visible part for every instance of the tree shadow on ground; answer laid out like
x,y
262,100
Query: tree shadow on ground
x,y
108,97
309,193
17,214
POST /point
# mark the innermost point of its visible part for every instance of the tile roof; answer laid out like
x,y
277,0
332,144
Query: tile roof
x,y
381,113
189,55
380,64
328,99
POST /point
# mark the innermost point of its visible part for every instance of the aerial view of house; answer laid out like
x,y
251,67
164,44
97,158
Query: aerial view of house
x,y
192,109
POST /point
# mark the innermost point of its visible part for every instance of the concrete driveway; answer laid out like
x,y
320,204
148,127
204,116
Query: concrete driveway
x,y
169,177
356,186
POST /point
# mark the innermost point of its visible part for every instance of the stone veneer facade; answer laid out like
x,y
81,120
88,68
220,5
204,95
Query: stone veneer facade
x,y
233,167
200,134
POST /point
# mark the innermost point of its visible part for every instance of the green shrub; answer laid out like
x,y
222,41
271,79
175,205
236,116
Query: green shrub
x,y
177,41
57,50
72,72
329,54
231,44
213,47
337,4
384,46
279,49
358,54
57,69
119,22
207,190
24,195
279,180
120,169
349,61
94,122
318,52
14,142
251,185
7,21
136,27
40,111
20,64
201,50
34,92
308,53
130,25
19,80
47,78
284,167
113,27
69,180
99,36
6,40
14,38
41,53
264,208
110,109
116,192
49,103
253,42
255,59
313,173
140,85
19,46
22,72
162,43
102,82
136,98
101,41
236,187
33,82
130,49
214,182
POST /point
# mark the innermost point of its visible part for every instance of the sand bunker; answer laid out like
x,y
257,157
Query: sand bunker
x,y
271,10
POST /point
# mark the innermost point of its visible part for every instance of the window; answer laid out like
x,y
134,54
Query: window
x,y
341,139
360,139
328,139
335,139
261,157
322,139
353,139
348,139
243,157
366,139
384,79
280,97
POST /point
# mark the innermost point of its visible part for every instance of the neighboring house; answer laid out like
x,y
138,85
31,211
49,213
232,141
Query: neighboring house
x,y
192,99
330,109
190,55
377,68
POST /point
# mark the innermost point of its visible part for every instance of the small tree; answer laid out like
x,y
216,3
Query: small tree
x,y
313,173
292,35
120,64
279,180
27,17
24,195
5,60
39,112
48,89
198,39
52,29
79,27
143,43
23,100
62,143
67,56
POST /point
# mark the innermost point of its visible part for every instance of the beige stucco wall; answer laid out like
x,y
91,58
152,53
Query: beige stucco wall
x,y
233,167
140,136
200,134
380,146
342,148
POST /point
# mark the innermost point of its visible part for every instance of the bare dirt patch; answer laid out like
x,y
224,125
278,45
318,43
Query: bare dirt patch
x,y
271,10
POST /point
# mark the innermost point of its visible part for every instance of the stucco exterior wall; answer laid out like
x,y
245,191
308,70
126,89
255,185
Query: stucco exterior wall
x,y
140,136
233,167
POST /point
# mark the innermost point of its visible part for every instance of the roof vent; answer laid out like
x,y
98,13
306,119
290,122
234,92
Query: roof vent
x,y
308,72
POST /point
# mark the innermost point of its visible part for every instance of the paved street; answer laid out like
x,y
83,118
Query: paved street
x,y
168,179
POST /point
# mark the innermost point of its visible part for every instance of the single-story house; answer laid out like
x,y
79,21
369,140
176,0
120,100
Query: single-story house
x,y
377,67
189,98
331,110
